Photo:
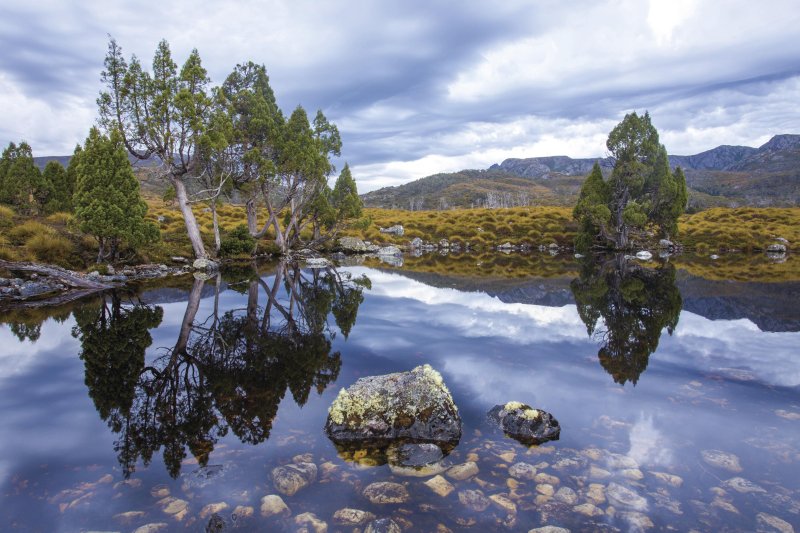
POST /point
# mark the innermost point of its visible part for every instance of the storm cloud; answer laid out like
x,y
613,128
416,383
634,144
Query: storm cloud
x,y
423,87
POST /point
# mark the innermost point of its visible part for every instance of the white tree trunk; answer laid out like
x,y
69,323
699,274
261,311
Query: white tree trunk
x,y
192,229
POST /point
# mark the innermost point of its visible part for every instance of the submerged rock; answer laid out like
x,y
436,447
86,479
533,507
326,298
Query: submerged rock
x,y
289,479
625,497
724,460
525,424
352,517
386,492
768,522
474,500
383,525
414,405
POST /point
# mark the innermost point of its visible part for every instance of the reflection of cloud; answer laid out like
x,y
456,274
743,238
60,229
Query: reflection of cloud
x,y
17,357
648,445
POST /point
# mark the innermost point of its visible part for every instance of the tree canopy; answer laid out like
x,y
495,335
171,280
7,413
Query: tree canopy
x,y
640,193
107,201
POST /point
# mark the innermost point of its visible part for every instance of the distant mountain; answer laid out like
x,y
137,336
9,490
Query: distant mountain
x,y
723,176
42,161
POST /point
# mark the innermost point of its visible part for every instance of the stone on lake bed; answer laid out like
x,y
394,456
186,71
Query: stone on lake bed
x,y
311,520
463,471
596,493
773,523
272,505
588,509
213,508
414,405
129,516
383,492
724,460
474,500
549,529
742,485
566,495
352,517
415,459
153,527
440,486
625,497
502,502
383,525
671,479
525,424
522,470
289,479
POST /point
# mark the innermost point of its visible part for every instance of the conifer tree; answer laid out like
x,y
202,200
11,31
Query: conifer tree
x,y
345,196
20,180
107,201
59,188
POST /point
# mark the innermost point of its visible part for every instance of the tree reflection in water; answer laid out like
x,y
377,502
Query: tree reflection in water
x,y
636,303
228,371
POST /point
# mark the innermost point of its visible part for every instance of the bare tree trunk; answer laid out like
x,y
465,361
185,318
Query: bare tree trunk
x,y
252,216
192,229
217,242
192,305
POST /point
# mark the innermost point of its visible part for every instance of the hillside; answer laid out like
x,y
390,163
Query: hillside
x,y
723,176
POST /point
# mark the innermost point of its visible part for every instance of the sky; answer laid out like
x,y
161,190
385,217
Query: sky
x,y
420,87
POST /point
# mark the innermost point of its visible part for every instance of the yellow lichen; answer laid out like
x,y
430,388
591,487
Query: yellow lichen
x,y
530,414
511,406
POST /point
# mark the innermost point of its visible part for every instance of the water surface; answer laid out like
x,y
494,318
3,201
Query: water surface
x,y
165,405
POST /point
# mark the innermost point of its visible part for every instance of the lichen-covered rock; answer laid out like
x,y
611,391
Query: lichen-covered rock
x,y
289,479
273,505
414,405
474,500
394,230
724,460
311,522
525,424
776,248
205,264
352,517
625,497
389,251
352,245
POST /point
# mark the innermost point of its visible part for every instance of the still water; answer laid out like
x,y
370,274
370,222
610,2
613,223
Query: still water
x,y
678,399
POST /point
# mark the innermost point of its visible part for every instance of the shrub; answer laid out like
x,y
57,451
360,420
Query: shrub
x,y
6,217
237,242
50,248
21,234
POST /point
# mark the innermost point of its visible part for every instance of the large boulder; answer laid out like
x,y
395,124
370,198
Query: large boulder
x,y
413,405
204,264
352,245
525,424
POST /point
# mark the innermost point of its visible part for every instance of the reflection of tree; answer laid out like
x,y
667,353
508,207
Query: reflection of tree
x,y
228,371
635,303
26,322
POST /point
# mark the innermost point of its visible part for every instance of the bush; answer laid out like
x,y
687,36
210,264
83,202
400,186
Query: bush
x,y
21,234
50,248
237,242
6,217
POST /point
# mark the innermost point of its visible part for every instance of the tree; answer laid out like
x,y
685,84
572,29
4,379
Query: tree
x,y
162,115
345,197
21,182
59,186
107,201
640,191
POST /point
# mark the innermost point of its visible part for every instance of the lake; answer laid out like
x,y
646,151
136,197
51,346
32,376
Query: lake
x,y
676,385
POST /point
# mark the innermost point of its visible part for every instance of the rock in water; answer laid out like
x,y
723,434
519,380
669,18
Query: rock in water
x,y
414,405
352,245
525,424
289,479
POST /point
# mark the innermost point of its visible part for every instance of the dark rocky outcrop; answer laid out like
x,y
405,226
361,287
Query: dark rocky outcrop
x,y
525,424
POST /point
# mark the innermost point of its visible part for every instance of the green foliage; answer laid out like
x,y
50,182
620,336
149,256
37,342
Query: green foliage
x,y
641,190
237,242
107,201
60,187
21,183
345,197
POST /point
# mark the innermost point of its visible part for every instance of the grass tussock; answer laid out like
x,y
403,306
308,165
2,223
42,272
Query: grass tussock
x,y
741,229
50,249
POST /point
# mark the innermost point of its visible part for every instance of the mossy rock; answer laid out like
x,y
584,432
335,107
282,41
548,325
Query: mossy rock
x,y
414,405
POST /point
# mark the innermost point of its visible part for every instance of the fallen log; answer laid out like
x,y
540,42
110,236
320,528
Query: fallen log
x,y
67,277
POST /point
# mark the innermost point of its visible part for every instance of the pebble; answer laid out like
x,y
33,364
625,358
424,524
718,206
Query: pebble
x,y
383,525
507,456
777,524
670,479
290,479
619,461
272,505
596,493
159,491
634,474
742,485
352,517
625,497
311,520
175,507
545,489
212,508
153,527
503,503
592,453
724,505
129,516
474,500
587,509
566,495
440,486
242,511
549,529
541,477
522,471
327,469
463,471
724,460
598,473
637,521
386,492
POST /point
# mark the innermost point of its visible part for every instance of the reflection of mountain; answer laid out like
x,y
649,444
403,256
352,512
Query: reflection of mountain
x,y
227,371
771,306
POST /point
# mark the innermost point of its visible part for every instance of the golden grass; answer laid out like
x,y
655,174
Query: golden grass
x,y
50,248
741,229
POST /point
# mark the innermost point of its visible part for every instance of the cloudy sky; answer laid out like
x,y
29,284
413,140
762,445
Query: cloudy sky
x,y
418,87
